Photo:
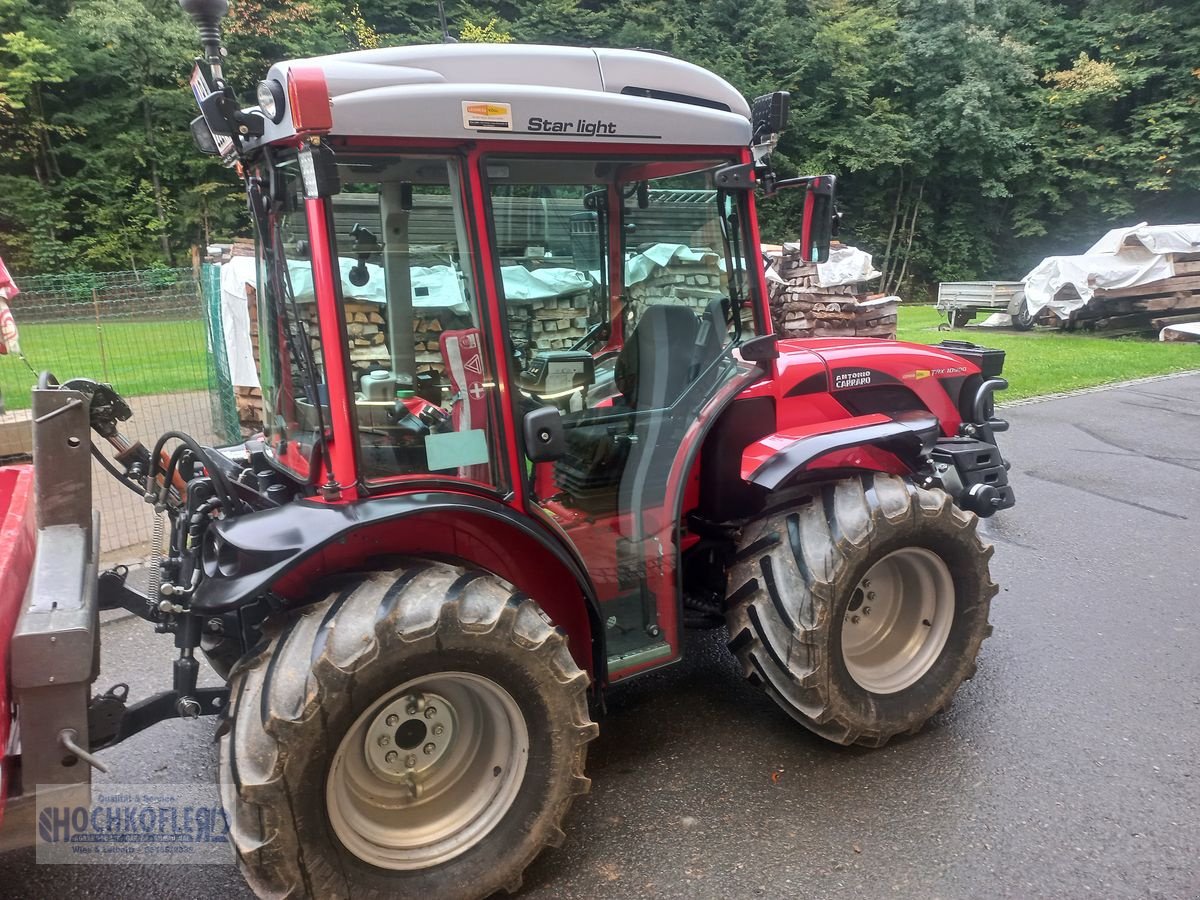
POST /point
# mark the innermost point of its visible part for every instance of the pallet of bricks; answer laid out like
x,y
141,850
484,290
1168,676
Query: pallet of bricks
x,y
803,307
1149,307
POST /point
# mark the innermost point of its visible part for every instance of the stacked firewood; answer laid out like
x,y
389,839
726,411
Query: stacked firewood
x,y
803,308
691,283
428,325
555,323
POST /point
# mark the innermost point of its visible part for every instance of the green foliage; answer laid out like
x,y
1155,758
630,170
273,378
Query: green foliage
x,y
484,34
970,137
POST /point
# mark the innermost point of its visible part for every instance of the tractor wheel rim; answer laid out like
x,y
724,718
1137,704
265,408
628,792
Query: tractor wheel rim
x,y
898,620
428,771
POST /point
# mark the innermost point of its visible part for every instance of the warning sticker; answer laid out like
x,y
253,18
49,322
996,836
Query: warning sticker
x,y
487,116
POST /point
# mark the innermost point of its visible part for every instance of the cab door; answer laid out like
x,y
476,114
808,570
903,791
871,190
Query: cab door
x,y
624,318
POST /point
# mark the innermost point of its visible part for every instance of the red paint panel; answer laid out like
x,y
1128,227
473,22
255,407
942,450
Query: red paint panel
x,y
490,311
863,456
339,450
17,531
760,451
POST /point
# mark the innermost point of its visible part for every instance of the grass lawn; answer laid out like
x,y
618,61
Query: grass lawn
x,y
138,358
1045,362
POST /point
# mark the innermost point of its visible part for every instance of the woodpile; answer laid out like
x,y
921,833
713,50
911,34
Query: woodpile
x,y
1147,307
555,323
691,283
428,325
803,308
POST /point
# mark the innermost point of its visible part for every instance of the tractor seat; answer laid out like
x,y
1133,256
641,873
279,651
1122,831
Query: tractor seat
x,y
654,366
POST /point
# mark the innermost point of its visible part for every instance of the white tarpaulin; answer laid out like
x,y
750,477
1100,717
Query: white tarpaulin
x,y
639,268
235,320
846,265
1125,257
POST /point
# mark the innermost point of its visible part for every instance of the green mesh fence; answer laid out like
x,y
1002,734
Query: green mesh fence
x,y
221,393
156,336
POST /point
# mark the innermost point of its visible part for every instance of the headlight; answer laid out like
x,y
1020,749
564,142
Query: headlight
x,y
270,99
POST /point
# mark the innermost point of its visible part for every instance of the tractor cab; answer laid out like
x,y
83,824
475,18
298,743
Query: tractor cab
x,y
523,272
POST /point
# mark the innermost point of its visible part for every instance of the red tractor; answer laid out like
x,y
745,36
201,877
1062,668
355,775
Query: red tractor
x,y
525,422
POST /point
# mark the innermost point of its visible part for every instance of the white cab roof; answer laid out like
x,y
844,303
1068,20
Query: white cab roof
x,y
526,91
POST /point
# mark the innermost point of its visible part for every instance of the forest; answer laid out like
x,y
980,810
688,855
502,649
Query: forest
x,y
971,138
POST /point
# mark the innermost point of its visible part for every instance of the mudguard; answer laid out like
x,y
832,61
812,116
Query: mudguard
x,y
246,556
782,456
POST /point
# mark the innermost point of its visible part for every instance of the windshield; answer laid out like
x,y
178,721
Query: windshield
x,y
587,247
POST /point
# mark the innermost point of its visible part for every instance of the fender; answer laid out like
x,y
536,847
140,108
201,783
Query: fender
x,y
778,458
286,549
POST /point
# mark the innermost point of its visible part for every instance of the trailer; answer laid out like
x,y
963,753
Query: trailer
x,y
962,301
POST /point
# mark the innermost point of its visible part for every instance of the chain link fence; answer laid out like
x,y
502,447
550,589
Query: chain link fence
x,y
156,336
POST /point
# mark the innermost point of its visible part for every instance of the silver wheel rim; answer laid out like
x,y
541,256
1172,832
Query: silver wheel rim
x,y
428,771
898,620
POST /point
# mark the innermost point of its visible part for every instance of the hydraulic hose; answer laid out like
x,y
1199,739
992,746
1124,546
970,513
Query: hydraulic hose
x,y
220,482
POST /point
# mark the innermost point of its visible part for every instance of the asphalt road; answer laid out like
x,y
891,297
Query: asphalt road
x,y
1067,768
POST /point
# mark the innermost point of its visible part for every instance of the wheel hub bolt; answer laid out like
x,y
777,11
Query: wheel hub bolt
x,y
393,720
438,729
384,741
854,620
429,748
866,610
392,756
410,760
870,595
430,712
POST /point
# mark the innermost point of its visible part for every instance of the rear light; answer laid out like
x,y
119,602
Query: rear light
x,y
309,98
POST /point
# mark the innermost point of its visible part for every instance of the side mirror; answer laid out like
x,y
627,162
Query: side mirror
x,y
543,432
816,224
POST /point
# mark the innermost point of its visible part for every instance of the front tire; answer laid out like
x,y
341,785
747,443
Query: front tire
x,y
422,732
807,581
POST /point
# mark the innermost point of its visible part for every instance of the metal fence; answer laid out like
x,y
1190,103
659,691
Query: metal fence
x,y
155,336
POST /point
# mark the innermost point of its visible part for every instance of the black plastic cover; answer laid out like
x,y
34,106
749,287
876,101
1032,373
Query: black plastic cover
x,y
989,360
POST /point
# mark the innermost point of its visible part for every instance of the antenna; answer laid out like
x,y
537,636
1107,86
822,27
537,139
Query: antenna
x,y
446,39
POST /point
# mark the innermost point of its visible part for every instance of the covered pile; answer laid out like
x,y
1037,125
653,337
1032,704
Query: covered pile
x,y
827,299
1133,279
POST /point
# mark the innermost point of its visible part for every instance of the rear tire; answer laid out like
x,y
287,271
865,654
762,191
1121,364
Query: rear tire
x,y
319,806
800,585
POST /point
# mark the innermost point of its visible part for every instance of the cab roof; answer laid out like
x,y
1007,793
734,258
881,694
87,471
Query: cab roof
x,y
525,92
